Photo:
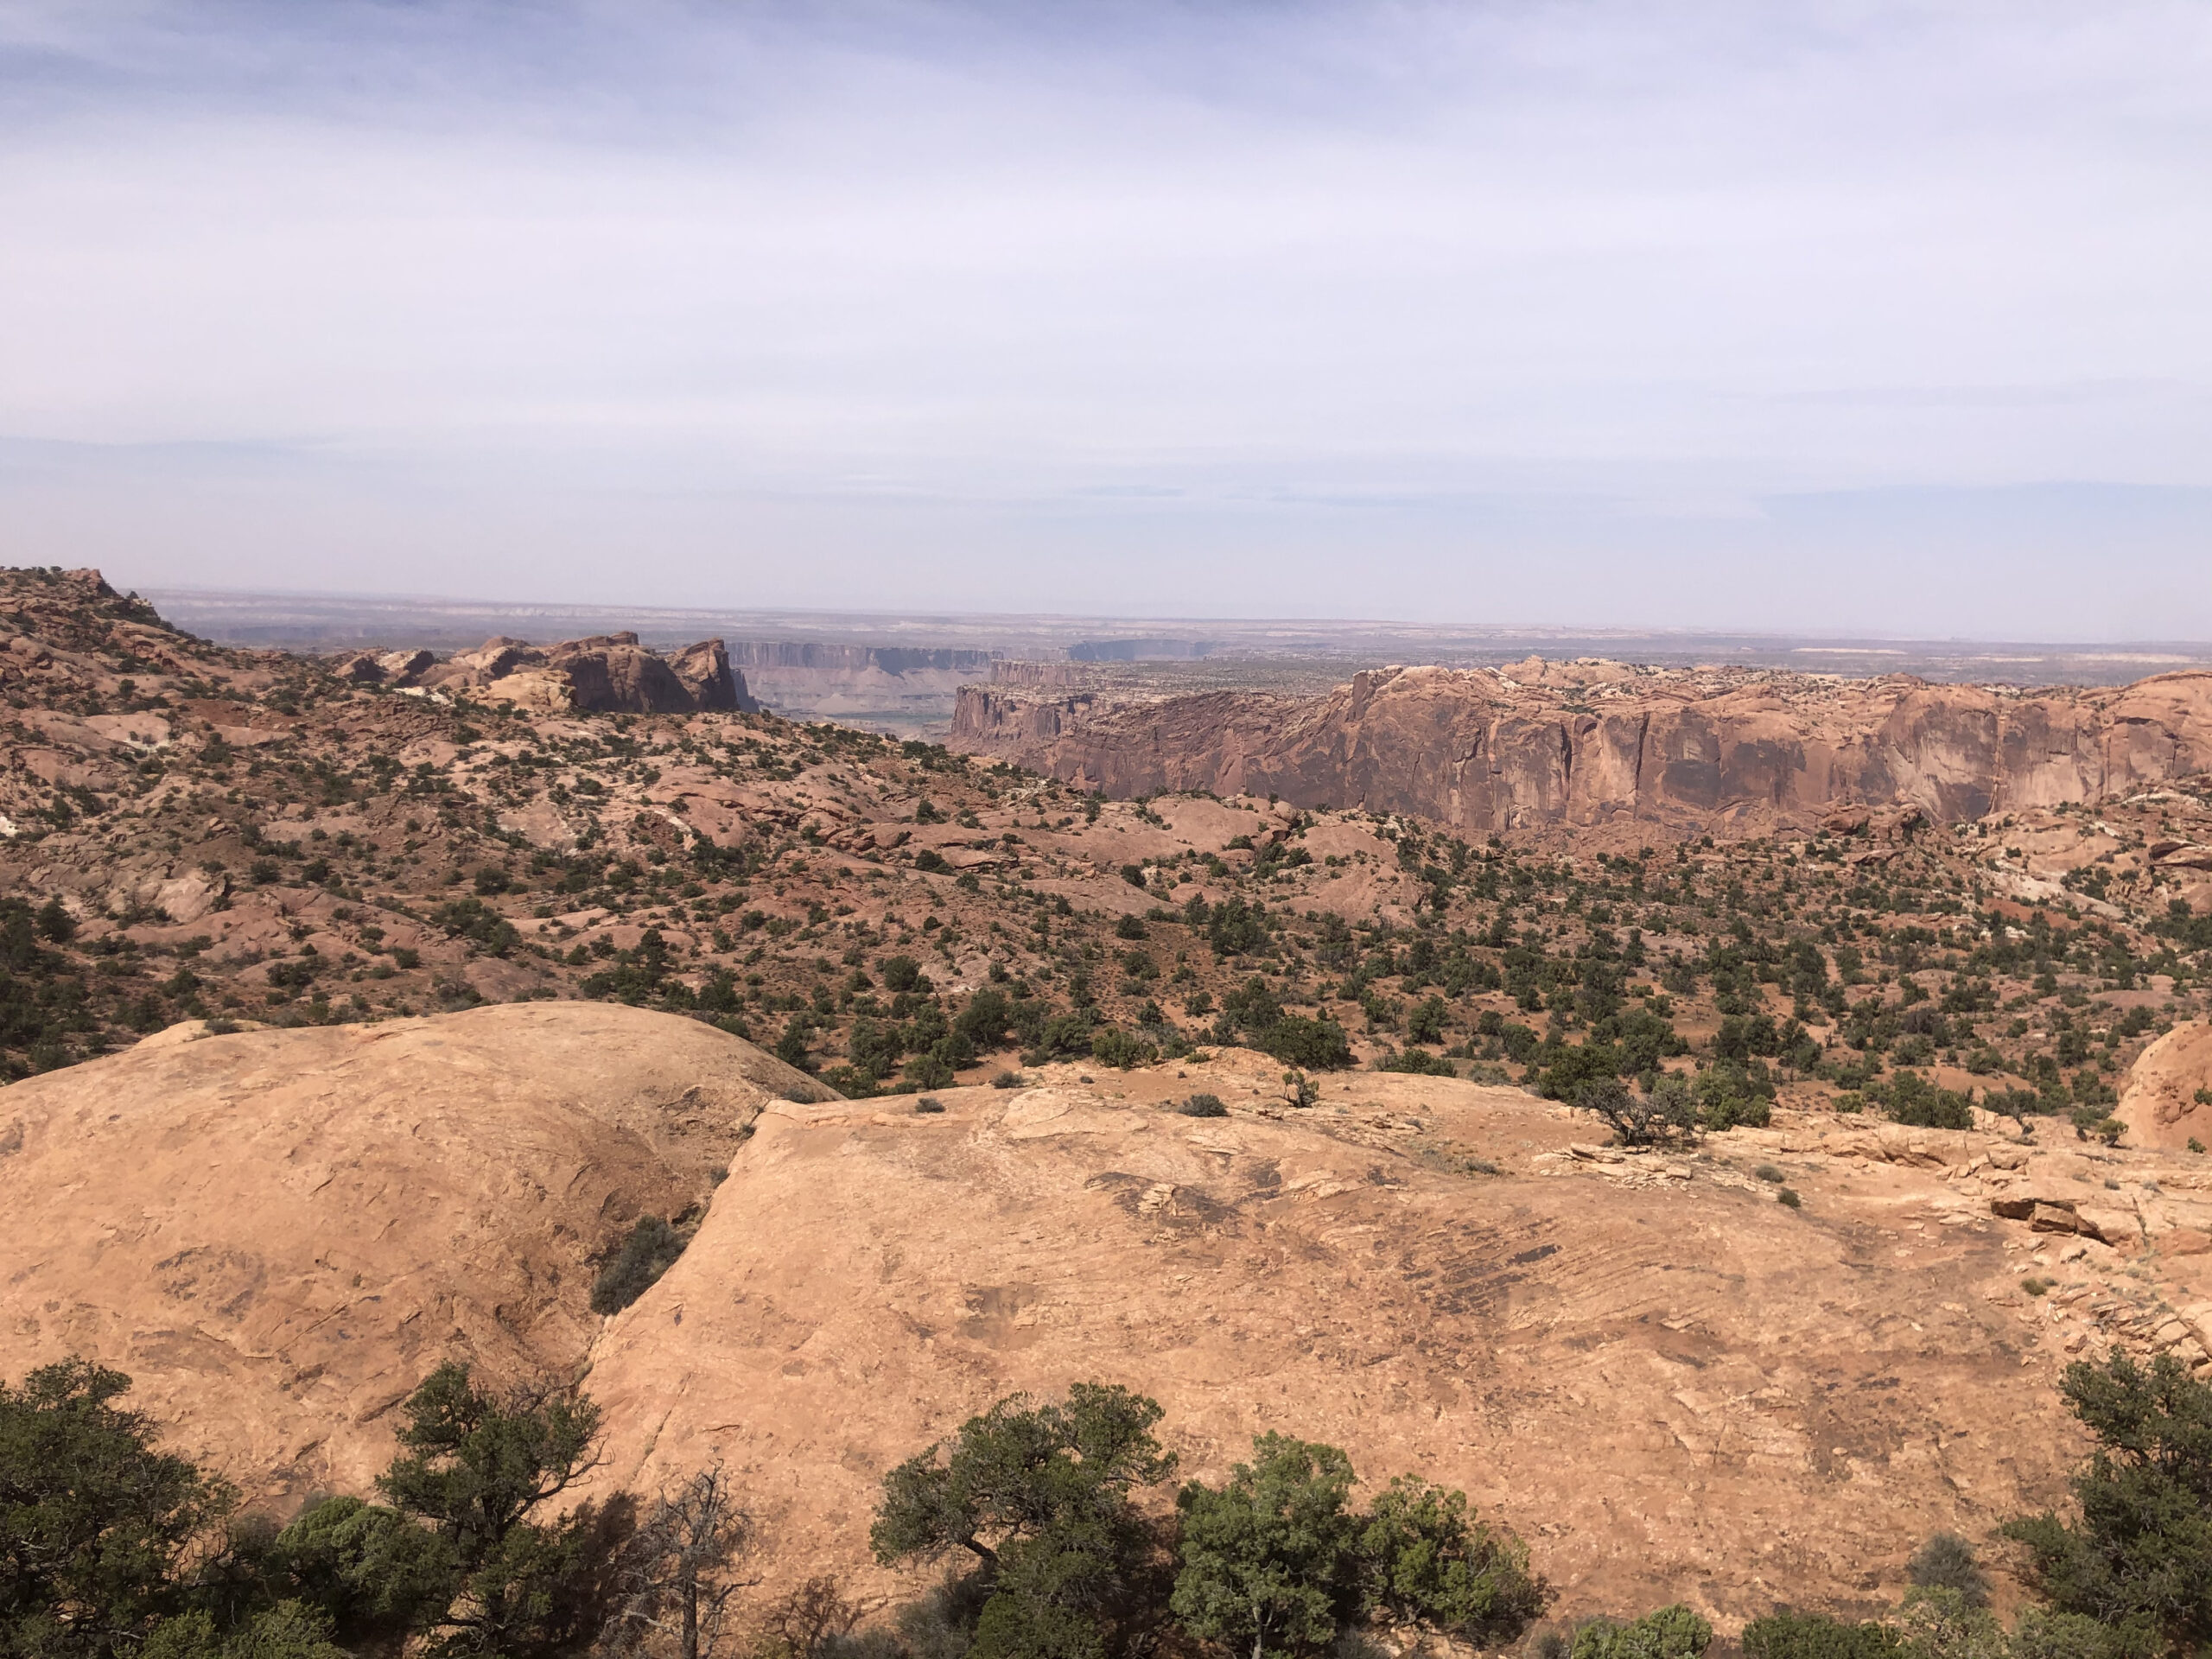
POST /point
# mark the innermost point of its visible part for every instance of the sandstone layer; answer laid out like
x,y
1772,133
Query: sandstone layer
x,y
1590,744
278,1233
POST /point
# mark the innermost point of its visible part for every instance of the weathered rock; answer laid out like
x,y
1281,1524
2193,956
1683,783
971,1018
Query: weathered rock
x,y
278,1233
1651,1386
2158,1102
705,672
1483,752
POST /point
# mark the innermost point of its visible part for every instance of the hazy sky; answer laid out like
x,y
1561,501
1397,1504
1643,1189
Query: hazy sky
x,y
1800,315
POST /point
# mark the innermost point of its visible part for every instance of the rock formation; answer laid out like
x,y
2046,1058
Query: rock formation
x,y
2168,1102
277,1233
604,674
1657,1374
1587,744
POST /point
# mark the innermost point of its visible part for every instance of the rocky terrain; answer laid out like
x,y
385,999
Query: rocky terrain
x,y
1596,744
359,1007
1665,1379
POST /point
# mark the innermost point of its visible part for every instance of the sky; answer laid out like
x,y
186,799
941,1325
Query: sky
x,y
1806,317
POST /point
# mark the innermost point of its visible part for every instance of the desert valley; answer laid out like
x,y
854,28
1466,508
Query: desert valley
x,y
1699,1113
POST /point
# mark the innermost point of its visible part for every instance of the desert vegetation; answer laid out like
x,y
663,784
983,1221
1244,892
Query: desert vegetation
x,y
1056,1525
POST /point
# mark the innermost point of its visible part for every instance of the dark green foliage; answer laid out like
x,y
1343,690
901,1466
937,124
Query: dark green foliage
x,y
1425,1023
287,1630
1314,1045
1421,1063
793,1048
94,1523
374,1572
1204,1106
1424,1559
492,933
1117,1048
1673,1632
2140,1553
1947,1561
984,1022
902,974
1783,1634
1269,1560
1038,1496
474,1468
1236,929
648,1251
1911,1099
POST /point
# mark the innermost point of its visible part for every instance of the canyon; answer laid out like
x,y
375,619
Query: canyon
x,y
1587,744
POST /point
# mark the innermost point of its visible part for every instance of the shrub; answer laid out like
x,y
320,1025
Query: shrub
x,y
1204,1106
649,1251
1312,1045
1423,1557
1673,1632
2140,1554
926,1104
1118,1049
1947,1561
1769,1173
1783,1634
1787,1198
1641,1120
1419,1062
1007,1080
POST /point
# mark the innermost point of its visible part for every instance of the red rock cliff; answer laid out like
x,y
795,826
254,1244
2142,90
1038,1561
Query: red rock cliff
x,y
1591,743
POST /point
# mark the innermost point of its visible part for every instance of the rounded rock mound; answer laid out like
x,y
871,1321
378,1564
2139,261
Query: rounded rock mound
x,y
278,1233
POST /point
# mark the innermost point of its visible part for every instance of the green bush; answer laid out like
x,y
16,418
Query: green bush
x,y
1421,1063
1783,1634
1312,1044
649,1250
2140,1553
1204,1106
1673,1632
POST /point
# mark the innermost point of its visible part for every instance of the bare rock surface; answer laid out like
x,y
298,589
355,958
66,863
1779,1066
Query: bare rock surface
x,y
1665,1379
2168,1100
278,1233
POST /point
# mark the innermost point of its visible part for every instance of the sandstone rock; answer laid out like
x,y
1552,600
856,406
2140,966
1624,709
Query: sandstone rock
x,y
1483,752
362,667
866,1279
705,672
612,673
404,665
2158,1101
2053,1218
190,897
2108,1225
277,1233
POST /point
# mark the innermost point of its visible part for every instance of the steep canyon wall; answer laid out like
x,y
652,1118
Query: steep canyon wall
x,y
1486,752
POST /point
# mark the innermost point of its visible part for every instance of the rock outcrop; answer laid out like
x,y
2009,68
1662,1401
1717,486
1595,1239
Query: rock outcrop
x,y
1664,1379
1588,744
605,674
278,1233
2167,1102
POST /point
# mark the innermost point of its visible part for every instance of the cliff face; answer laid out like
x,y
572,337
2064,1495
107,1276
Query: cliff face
x,y
1486,752
607,673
